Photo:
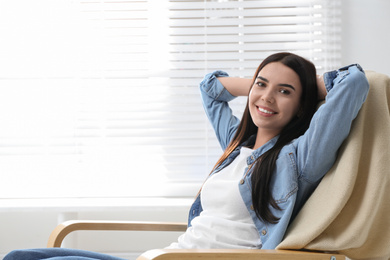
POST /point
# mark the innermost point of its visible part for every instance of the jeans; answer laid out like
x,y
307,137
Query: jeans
x,y
57,254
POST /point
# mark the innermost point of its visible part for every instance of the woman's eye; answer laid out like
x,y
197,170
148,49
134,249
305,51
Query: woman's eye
x,y
260,84
285,91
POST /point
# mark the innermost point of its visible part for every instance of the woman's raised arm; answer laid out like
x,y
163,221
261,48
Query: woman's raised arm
x,y
241,86
236,86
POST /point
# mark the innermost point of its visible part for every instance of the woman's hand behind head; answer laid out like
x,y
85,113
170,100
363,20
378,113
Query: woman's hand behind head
x,y
321,87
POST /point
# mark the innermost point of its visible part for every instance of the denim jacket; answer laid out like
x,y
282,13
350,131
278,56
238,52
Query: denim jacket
x,y
303,162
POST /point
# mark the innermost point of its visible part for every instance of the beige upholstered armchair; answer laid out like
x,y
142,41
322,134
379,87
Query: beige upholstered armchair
x,y
348,213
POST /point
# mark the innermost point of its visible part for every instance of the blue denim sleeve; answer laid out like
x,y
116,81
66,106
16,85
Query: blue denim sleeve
x,y
317,148
215,102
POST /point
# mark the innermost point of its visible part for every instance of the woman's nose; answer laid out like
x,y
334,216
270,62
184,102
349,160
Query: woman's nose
x,y
268,97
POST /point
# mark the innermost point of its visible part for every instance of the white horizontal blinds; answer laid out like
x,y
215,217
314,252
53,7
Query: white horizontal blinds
x,y
242,33
235,36
102,96
95,126
330,36
106,123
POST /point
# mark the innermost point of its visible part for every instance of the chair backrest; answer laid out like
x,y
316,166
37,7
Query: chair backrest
x,y
349,212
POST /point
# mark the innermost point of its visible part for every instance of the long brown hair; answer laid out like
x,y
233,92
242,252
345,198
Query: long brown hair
x,y
264,166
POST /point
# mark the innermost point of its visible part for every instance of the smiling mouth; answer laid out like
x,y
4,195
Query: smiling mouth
x,y
266,111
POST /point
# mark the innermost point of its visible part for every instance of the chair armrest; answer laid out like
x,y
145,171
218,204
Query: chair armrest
x,y
63,229
232,254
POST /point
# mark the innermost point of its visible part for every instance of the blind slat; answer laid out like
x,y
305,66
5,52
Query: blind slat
x,y
247,21
242,4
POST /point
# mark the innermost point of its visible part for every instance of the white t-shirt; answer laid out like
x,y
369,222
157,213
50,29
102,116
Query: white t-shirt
x,y
225,221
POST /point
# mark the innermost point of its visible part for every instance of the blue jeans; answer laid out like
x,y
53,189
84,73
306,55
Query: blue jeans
x,y
57,254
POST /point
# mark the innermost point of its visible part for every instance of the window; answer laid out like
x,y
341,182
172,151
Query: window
x,y
100,98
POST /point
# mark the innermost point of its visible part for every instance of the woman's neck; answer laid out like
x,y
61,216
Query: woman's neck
x,y
262,138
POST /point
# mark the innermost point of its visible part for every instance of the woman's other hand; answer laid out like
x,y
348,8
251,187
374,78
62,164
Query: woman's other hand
x,y
321,88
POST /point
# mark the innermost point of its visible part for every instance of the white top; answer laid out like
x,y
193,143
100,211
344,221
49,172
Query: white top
x,y
225,221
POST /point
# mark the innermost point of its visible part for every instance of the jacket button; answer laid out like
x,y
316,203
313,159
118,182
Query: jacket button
x,y
252,208
264,232
242,181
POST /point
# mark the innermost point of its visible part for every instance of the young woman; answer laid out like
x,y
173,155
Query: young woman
x,y
274,157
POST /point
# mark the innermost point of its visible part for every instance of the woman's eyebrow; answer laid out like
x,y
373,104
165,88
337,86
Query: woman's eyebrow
x,y
263,79
287,86
282,85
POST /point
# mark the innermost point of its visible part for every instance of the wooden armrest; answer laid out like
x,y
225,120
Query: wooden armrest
x,y
63,229
232,254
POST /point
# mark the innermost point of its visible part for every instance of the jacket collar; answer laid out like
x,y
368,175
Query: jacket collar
x,y
261,150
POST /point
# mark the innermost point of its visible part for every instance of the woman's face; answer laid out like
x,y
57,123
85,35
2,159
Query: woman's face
x,y
275,98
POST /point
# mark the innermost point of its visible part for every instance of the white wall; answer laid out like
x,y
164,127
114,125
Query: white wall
x,y
366,40
366,34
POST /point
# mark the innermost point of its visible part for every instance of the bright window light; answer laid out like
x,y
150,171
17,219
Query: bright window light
x,y
100,98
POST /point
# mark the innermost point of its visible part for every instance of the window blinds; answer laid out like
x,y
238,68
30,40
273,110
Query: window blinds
x,y
100,98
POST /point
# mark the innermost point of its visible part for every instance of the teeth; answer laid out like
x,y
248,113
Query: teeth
x,y
265,111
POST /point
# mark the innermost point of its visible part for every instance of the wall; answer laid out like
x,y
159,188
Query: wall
x,y
365,34
366,40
